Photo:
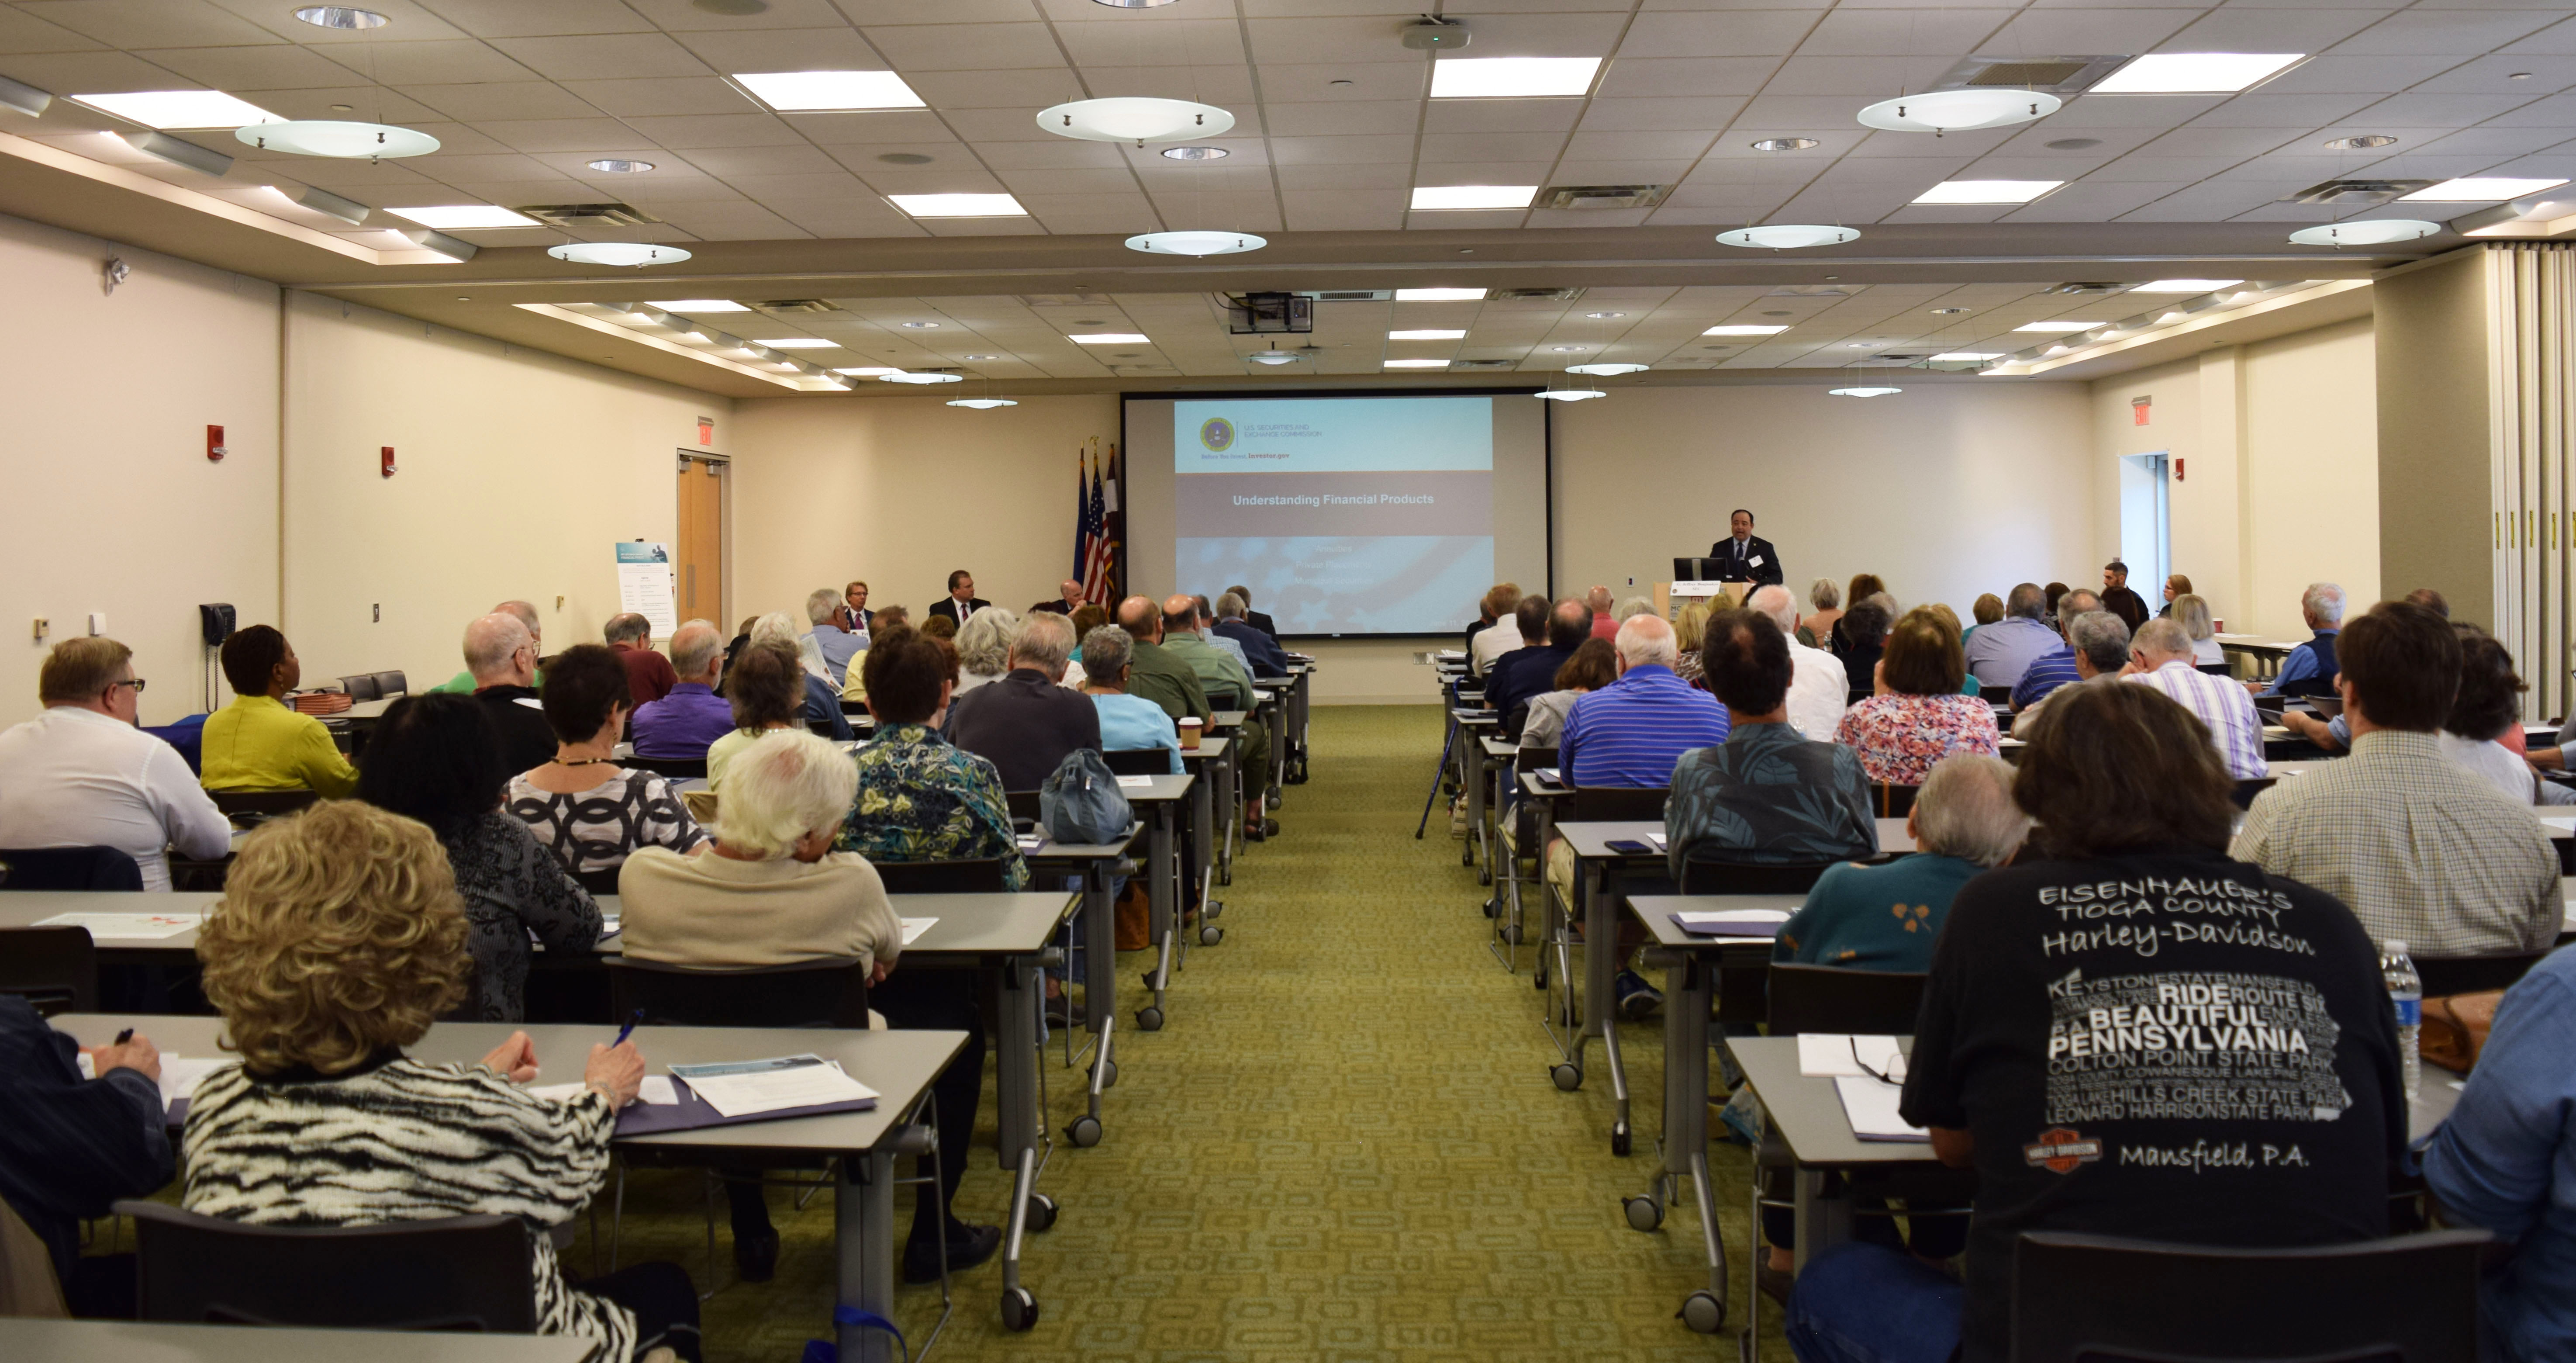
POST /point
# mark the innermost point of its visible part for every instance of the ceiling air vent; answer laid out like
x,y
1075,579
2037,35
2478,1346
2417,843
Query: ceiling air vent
x,y
1351,295
1815,291
2089,288
2353,192
1456,365
590,215
2056,75
1898,357
800,305
1533,295
1602,196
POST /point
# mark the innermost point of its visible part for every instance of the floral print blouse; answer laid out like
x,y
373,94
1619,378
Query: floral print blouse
x,y
924,799
1899,737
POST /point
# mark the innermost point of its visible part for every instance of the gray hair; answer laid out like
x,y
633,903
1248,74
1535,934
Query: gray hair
x,y
1632,607
2163,635
778,625
1106,652
1965,809
1824,593
627,628
984,645
1645,639
2324,600
1044,641
784,787
527,615
2026,601
695,647
819,605
1230,606
1774,601
2103,639
491,642
2075,603
2193,611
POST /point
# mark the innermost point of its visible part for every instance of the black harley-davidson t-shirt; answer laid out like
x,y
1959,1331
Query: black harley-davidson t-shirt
x,y
2163,1044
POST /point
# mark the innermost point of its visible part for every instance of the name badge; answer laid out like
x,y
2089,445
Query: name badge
x,y
1755,561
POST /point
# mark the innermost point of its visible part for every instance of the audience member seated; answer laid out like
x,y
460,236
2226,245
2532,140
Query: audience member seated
x,y
1988,609
1862,587
767,692
2056,667
854,597
2098,643
259,742
1227,685
1553,632
1500,637
73,1146
2003,650
2054,592
1817,630
1597,601
1027,723
1592,666
2161,657
1068,599
733,650
501,657
942,627
432,759
82,775
590,812
648,674
771,891
1917,716
1820,687
2422,850
338,940
680,726
1765,794
1267,658
1631,732
465,683
1967,680
2430,600
1127,723
921,799
1152,672
2133,807
2487,711
2177,587
1859,638
831,645
1689,627
984,647
1205,624
822,703
2118,599
1886,916
2192,613
1251,617
961,603
2310,669
2504,1161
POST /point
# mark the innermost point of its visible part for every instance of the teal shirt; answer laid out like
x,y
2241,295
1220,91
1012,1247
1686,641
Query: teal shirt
x,y
1875,917
922,799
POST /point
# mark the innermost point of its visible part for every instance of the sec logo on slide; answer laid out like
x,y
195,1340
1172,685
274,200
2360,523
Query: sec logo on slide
x,y
1217,434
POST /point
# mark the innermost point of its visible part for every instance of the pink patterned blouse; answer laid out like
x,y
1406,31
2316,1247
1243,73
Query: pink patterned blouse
x,y
1899,737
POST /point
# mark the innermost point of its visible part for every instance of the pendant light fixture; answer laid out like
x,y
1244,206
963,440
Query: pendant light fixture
x,y
1787,236
1195,243
921,376
1940,111
1606,370
1569,394
1273,356
333,137
1865,392
620,253
985,401
1135,118
2370,232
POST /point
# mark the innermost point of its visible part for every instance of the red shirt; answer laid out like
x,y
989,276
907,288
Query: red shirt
x,y
649,675
1603,627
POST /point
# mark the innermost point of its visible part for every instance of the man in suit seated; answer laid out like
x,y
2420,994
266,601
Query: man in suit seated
x,y
961,600
1253,617
1071,600
1268,659
1742,557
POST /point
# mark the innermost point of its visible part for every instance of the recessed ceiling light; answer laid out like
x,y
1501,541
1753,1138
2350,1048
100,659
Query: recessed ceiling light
x,y
959,205
799,343
618,253
920,326
1947,312
1415,364
1784,144
2471,189
180,108
1428,334
698,305
1196,153
1787,236
340,17
1604,316
1110,338
1986,191
1272,357
2372,232
1861,392
869,371
794,91
618,165
1511,77
1939,111
1135,118
1965,356
1429,198
457,217
2362,143
2193,73
1438,295
2186,285
1743,330
2057,328
1562,349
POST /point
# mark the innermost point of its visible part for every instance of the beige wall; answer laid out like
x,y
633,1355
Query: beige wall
x,y
2435,454
113,505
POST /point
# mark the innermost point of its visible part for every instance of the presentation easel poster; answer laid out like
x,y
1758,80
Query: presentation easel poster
x,y
645,585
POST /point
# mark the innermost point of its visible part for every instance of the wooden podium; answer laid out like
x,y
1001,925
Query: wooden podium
x,y
1671,597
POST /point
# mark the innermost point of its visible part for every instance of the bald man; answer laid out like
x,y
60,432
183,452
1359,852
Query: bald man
x,y
1153,672
1228,686
463,682
1603,627
501,662
1071,592
682,725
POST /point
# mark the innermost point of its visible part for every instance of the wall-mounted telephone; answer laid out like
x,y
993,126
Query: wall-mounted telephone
x,y
215,623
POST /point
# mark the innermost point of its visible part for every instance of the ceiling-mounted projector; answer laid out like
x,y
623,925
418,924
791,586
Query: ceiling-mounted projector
x,y
1436,35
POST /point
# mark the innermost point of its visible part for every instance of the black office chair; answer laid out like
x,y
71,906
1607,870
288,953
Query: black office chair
x,y
2104,1299
2217,669
54,969
807,994
598,882
1614,804
820,728
981,875
2245,791
1894,801
262,804
1024,809
1139,761
671,766
2445,975
1824,998
68,868
469,1273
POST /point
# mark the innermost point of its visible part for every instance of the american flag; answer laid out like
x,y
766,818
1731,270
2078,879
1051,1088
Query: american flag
x,y
1086,524
1096,586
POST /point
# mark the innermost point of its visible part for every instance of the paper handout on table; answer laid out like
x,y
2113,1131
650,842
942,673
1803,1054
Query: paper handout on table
x,y
1870,1107
1834,1055
1135,782
753,1086
2559,822
914,927
131,927
656,1089
180,1074
1732,922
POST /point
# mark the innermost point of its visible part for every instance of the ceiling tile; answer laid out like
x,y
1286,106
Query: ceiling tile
x,y
1901,32
733,222
2094,201
784,49
1337,39
515,193
1338,120
839,217
1453,147
1798,111
1568,34
2238,28
958,177
611,56
1858,80
149,23
1290,82
485,101
2457,111
794,159
90,73
1571,171
1245,155
23,33
657,96
2219,141
1329,151
966,47
429,63
1389,175
1730,33
998,125
2281,111
982,227
554,134
274,66
2498,141
521,19
373,102
2084,114
2087,31
1170,42
883,125
2465,32
1106,180
1502,115
486,166
1467,221
715,130
1658,115
2143,169
1035,88
2557,111
1057,153
1684,146
837,184
2208,201
1632,78
2540,75
875,12
2557,40
1227,86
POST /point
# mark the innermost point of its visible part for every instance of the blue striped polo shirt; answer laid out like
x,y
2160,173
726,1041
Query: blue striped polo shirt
x,y
2046,673
1635,730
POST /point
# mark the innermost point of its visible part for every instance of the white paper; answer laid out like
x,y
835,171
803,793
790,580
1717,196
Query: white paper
x,y
2560,822
180,1074
772,1085
656,1089
1830,1055
1657,839
1135,782
131,927
1870,1107
645,586
914,927
1734,922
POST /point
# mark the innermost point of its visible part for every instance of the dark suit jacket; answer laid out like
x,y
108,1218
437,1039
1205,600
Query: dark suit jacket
x,y
1260,622
947,605
2126,604
1728,569
526,740
1520,674
1025,724
1267,657
1056,607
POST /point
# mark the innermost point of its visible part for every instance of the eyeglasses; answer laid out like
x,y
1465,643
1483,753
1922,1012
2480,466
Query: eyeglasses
x,y
135,682
1893,1074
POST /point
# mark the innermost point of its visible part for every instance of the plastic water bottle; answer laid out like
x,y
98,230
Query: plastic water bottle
x,y
2406,990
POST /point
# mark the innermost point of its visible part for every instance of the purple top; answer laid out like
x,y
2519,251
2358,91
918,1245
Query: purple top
x,y
679,726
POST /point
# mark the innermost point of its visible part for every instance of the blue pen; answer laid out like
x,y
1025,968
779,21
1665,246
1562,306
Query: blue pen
x,y
627,1030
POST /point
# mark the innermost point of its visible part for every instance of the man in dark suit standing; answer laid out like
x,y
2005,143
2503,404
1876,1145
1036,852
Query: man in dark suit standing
x,y
1743,557
961,601
1253,617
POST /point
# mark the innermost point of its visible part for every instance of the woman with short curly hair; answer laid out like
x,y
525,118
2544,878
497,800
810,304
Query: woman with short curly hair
x,y
339,938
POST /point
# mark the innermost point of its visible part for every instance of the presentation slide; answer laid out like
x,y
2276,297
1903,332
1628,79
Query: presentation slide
x,y
1343,514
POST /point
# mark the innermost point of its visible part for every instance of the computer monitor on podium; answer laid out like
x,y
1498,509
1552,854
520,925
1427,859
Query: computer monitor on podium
x,y
1694,569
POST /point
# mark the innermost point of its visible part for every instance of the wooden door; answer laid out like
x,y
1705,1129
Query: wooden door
x,y
699,561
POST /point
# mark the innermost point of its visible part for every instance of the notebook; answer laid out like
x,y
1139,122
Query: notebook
x,y
1870,1106
1834,1055
1753,923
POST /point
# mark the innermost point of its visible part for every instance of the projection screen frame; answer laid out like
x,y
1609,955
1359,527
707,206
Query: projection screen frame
x,y
1547,469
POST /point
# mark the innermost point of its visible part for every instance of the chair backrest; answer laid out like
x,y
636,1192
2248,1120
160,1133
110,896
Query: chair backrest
x,y
361,687
1824,998
1531,759
671,766
598,882
68,868
820,728
2443,975
456,1273
1139,761
976,876
2097,1297
1735,877
271,804
1023,805
807,994
392,684
2217,669
55,969
1894,801
2246,790
28,1287
1614,804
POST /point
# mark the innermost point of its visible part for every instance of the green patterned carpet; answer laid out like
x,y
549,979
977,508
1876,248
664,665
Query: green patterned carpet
x,y
1343,1146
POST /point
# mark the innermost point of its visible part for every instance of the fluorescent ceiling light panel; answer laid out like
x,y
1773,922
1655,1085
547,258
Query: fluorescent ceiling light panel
x,y
2193,73
1417,364
959,205
791,91
1439,295
1511,77
2186,285
1986,191
870,370
2475,188
799,343
1427,334
1109,338
1963,356
1743,331
2055,328
457,217
180,109
697,305
1428,198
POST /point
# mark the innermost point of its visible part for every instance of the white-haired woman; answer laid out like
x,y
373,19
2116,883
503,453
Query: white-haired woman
x,y
1826,596
822,697
2192,610
772,892
984,648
